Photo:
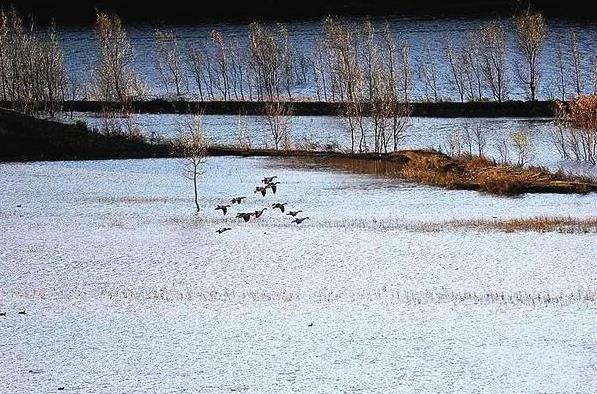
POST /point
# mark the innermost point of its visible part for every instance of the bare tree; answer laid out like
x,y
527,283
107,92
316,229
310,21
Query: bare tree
x,y
32,71
429,74
576,61
319,70
493,55
530,29
561,70
453,144
114,78
594,74
457,61
242,130
168,61
193,148
369,56
271,60
479,140
521,142
222,62
197,65
343,52
472,67
277,115
503,149
405,68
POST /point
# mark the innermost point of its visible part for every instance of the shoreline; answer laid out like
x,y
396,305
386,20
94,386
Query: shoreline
x,y
24,139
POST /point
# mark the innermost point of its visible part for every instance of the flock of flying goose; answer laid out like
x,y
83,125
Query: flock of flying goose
x,y
267,183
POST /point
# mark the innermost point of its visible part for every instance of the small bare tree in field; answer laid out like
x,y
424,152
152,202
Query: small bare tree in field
x,y
114,78
193,148
454,144
168,61
277,115
530,29
493,55
352,114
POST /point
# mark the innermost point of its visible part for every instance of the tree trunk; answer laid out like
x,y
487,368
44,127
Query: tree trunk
x,y
195,189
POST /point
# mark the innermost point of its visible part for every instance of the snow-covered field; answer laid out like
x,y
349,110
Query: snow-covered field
x,y
126,289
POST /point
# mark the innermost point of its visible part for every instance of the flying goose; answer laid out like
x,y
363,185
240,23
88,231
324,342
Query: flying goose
x,y
21,312
293,213
300,220
2,313
279,206
259,213
272,185
246,216
223,230
237,200
223,208
260,189
268,179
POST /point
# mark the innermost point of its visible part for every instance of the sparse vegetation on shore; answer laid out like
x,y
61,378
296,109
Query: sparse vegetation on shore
x,y
26,138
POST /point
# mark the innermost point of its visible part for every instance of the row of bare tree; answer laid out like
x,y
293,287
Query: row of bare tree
x,y
350,57
268,66
31,65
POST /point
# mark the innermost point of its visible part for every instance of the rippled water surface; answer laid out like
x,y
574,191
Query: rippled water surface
x,y
126,289
81,50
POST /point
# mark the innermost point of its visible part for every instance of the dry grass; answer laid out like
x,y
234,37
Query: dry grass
x,y
541,224
387,294
131,200
462,173
482,174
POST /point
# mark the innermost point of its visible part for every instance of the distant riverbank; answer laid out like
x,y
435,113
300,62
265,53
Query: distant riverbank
x,y
485,109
